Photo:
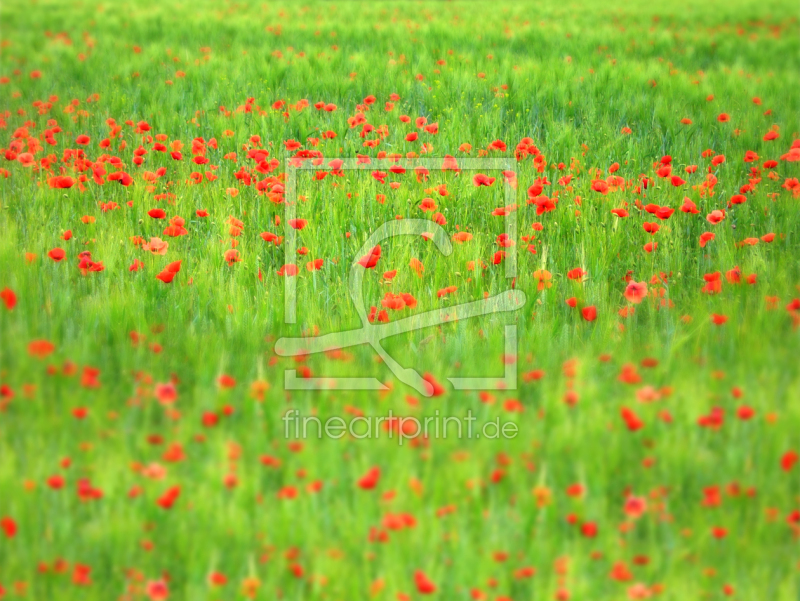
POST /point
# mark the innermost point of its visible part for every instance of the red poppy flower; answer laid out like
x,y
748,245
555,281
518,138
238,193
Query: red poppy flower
x,y
8,297
370,479
424,584
636,292
371,260
57,254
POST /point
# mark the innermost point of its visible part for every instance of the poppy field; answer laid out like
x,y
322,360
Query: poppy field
x,y
175,176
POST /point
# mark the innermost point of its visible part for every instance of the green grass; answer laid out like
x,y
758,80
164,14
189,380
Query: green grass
x,y
569,76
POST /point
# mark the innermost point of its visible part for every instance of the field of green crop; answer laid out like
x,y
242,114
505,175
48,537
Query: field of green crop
x,y
183,184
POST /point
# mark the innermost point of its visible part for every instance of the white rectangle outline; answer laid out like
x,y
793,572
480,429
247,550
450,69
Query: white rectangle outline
x,y
291,381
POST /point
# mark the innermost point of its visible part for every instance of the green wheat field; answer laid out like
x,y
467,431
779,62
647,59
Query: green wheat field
x,y
174,175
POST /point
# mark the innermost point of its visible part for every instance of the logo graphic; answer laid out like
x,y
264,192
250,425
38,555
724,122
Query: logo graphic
x,y
373,334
